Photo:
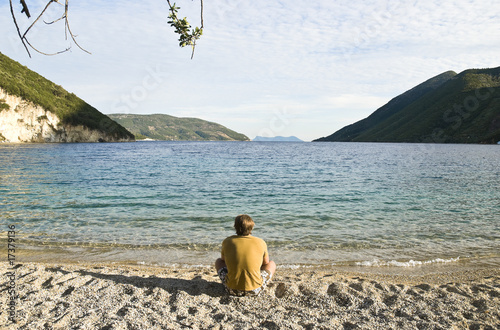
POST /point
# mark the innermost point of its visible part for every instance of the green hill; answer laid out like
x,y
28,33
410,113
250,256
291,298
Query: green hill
x,y
18,80
449,108
165,127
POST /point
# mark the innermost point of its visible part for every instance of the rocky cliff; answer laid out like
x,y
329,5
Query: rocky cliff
x,y
34,109
23,121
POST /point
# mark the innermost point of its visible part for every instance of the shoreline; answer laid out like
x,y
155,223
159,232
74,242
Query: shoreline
x,y
118,296
284,259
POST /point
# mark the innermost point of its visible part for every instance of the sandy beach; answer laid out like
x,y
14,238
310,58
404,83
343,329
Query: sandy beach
x,y
112,296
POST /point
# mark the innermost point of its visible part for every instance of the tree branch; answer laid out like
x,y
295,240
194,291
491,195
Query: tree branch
x,y
17,27
67,29
182,27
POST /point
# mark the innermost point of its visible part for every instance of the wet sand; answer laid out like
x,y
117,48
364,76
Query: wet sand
x,y
113,296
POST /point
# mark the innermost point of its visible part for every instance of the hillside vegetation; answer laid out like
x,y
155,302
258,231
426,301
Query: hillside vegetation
x,y
449,108
165,127
18,80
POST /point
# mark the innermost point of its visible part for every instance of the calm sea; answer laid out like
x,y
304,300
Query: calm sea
x,y
159,203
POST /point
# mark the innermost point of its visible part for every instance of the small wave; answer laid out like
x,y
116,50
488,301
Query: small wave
x,y
293,266
410,263
172,264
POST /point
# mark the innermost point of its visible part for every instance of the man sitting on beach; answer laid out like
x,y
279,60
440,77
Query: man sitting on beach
x,y
244,266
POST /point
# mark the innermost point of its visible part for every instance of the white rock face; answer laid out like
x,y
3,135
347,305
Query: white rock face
x,y
26,122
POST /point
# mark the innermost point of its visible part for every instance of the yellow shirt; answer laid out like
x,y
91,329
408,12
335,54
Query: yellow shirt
x,y
243,256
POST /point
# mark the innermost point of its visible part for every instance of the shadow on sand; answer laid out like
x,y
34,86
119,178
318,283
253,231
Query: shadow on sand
x,y
195,286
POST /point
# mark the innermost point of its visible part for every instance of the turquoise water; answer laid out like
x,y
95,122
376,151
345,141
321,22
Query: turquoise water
x,y
174,202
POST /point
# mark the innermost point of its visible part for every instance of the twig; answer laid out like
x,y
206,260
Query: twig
x,y
17,27
201,14
201,27
69,30
47,54
36,20
25,9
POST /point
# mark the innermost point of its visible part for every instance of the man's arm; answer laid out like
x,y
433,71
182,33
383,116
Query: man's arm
x,y
220,263
265,260
268,265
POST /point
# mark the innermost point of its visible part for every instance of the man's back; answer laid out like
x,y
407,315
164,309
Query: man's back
x,y
243,256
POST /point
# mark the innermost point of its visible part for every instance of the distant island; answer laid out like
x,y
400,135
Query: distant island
x,y
34,109
169,128
277,139
448,108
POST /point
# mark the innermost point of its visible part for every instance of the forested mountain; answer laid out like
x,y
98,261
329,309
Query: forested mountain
x,y
449,108
165,127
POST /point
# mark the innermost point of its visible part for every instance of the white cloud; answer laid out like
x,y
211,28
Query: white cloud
x,y
329,63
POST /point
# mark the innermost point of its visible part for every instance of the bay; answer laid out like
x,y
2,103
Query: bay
x,y
367,204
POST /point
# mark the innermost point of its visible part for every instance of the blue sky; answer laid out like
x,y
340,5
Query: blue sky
x,y
262,67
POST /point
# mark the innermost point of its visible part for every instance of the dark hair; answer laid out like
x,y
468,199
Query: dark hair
x,y
243,224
